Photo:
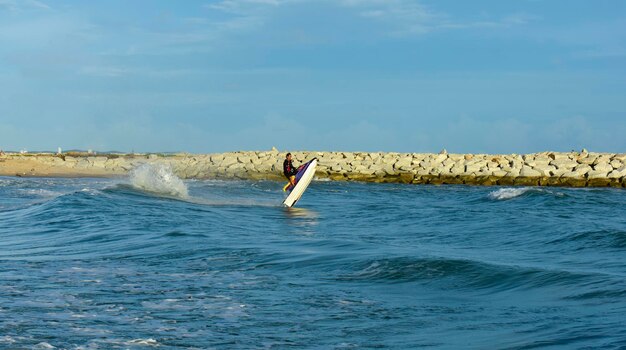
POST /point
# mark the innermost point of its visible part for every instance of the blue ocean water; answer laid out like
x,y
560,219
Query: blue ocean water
x,y
151,261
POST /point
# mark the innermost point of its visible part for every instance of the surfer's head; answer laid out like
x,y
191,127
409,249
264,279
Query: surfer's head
x,y
288,156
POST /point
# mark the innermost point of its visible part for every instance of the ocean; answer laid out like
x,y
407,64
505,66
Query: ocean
x,y
150,261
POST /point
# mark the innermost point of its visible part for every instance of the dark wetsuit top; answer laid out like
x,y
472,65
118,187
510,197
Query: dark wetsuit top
x,y
289,169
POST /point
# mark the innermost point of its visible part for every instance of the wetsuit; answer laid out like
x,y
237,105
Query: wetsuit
x,y
288,169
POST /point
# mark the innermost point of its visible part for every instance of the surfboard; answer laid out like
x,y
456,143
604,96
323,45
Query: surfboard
x,y
303,179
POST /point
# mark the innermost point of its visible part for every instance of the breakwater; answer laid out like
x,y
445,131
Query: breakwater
x,y
573,169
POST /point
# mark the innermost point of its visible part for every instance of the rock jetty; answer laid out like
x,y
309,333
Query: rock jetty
x,y
575,169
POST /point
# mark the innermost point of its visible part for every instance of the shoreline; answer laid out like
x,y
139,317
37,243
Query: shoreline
x,y
571,169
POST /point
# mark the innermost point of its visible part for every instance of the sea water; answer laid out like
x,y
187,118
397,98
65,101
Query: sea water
x,y
151,261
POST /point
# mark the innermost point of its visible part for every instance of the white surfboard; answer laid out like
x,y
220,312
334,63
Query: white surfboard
x,y
301,185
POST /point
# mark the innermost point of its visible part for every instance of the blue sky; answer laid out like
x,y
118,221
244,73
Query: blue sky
x,y
349,75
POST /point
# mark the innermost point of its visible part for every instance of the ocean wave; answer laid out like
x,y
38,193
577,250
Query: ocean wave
x,y
158,178
40,192
144,342
510,193
594,239
464,274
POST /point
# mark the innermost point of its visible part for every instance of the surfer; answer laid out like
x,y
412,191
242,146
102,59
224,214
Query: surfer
x,y
290,171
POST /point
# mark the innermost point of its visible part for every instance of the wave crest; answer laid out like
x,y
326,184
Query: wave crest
x,y
462,273
158,178
510,193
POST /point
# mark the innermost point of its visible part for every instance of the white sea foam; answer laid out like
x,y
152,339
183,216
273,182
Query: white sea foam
x,y
40,192
7,339
158,178
145,342
508,193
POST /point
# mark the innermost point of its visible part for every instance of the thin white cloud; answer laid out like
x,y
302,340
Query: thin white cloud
x,y
399,18
37,4
24,5
504,22
413,18
242,6
109,72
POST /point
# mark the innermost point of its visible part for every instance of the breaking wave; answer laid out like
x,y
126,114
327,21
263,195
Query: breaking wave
x,y
510,193
159,179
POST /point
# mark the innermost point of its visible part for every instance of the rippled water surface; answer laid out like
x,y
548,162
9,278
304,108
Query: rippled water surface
x,y
154,262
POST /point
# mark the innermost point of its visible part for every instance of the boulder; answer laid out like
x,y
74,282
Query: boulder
x,y
579,171
404,163
516,164
564,164
603,167
560,172
440,158
599,182
245,159
586,160
526,181
388,169
337,168
376,168
406,177
506,181
538,164
425,164
603,158
236,167
559,156
573,181
617,173
228,161
513,173
530,172
444,168
348,156
456,157
457,169
389,159
499,173
216,158
448,161
374,157
251,167
486,180
547,170
597,174
550,181
616,164
473,168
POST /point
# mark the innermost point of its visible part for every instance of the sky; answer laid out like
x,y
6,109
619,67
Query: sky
x,y
482,76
